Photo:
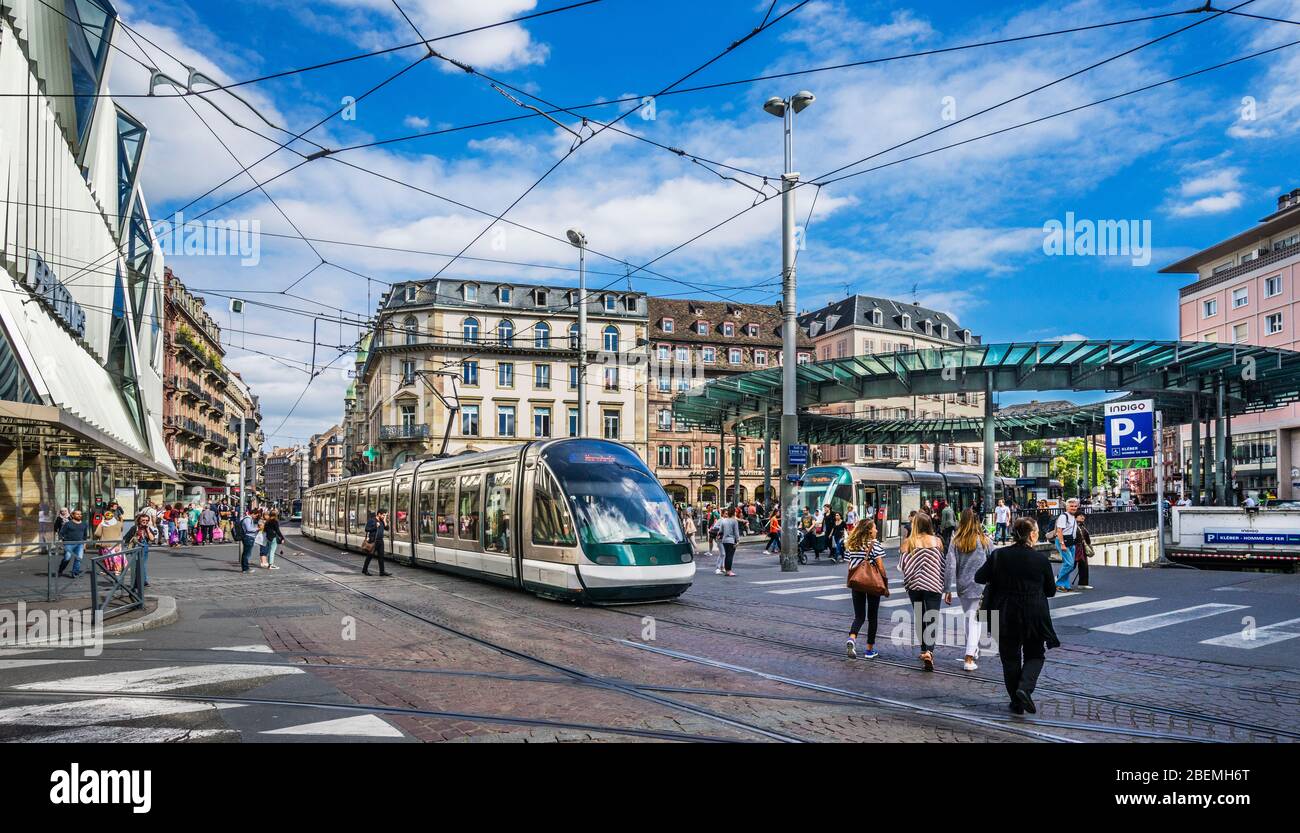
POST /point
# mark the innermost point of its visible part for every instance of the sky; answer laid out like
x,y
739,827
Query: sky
x,y
961,229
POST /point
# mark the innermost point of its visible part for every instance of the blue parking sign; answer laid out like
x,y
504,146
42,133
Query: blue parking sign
x,y
1130,430
798,455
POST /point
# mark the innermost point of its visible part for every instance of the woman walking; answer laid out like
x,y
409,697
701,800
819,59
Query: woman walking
x,y
863,546
688,526
727,531
1082,549
921,561
839,529
274,538
773,532
1020,581
968,551
375,538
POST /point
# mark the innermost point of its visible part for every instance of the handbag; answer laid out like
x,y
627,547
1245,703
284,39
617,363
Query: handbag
x,y
868,576
217,534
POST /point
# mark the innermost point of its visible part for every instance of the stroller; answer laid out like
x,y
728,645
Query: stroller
x,y
809,539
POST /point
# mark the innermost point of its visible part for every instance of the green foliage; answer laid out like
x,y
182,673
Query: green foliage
x,y
1032,447
1068,466
1009,465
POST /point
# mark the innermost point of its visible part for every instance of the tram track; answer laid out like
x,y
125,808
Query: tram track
x,y
1166,711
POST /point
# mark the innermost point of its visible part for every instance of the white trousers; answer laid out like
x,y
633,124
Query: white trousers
x,y
971,609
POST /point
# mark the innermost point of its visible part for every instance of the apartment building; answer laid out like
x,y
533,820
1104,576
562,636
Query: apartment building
x,y
865,325
326,453
1246,290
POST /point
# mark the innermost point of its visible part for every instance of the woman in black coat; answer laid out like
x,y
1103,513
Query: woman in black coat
x,y
1020,581
376,534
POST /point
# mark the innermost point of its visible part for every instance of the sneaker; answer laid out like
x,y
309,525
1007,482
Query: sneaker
x,y
851,648
1060,589
870,653
969,665
719,572
274,567
1084,587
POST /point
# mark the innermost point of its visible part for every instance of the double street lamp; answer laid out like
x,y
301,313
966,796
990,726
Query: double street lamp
x,y
578,239
785,109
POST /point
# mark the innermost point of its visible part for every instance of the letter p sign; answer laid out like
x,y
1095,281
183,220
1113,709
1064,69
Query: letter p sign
x,y
1119,427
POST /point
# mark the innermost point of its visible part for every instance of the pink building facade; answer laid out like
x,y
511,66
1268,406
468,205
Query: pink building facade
x,y
1247,291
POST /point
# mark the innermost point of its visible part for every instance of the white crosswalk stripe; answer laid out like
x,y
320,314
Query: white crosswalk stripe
x,y
1164,620
1094,607
102,710
365,725
839,585
167,678
790,580
1259,637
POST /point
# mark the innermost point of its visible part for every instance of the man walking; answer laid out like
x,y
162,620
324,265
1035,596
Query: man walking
x,y
73,533
947,524
247,540
1064,534
1002,516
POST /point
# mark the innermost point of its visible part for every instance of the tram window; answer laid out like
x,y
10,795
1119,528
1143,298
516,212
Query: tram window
x,y
497,525
340,510
402,508
426,510
551,523
447,506
354,509
372,504
469,506
385,501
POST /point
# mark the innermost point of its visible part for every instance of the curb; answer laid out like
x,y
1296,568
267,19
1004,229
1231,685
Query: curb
x,y
164,614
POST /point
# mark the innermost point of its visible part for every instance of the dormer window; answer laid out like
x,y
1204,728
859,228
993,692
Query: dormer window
x,y
539,295
943,330
702,328
751,329
611,303
929,327
503,294
629,303
728,329
965,336
876,317
907,321
666,325
470,292
409,292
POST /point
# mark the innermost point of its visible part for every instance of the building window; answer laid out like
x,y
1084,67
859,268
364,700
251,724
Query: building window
x,y
573,422
728,329
506,374
573,377
539,297
710,456
760,358
709,354
665,419
760,457
541,422
409,292
666,325
943,333
542,335
683,382
702,328
1273,324
1210,308
611,422
610,341
1272,286
1240,297
804,358
503,294
506,333
665,456
408,372
662,352
469,373
734,355
469,330
877,317
542,376
469,420
611,378
1240,332
470,292
683,456
907,321
411,326
611,303
407,416
664,383
505,420
751,329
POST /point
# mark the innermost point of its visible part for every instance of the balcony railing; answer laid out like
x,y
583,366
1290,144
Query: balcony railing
x,y
403,432
192,467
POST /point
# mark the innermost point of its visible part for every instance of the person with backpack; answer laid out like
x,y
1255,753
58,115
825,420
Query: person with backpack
x,y
1020,581
967,552
863,545
245,537
921,561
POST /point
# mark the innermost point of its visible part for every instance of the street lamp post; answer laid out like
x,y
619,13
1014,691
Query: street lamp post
x,y
785,109
579,239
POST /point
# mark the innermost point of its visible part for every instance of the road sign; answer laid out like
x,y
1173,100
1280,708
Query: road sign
x,y
1135,463
1130,430
798,455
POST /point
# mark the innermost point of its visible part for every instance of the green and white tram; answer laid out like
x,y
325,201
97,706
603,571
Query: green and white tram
x,y
574,519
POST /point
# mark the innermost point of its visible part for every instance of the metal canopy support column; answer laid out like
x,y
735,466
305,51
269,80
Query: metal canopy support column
x,y
1220,458
767,462
1086,466
1207,456
1227,456
1195,486
989,452
936,453
736,466
722,465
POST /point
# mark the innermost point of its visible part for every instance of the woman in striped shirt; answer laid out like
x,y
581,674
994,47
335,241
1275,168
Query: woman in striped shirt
x,y
862,544
922,565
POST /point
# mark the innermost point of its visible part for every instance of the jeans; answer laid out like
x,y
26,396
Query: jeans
x,y
1067,567
271,547
73,551
144,561
729,551
865,609
245,553
925,610
1002,533
773,542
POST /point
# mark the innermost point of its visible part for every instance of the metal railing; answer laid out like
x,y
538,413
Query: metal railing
x,y
120,573
1097,522
404,432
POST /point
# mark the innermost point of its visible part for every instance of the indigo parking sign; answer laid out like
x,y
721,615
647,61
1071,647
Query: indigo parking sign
x,y
1130,430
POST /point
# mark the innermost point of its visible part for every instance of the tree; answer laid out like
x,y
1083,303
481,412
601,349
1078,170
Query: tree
x,y
1031,447
1068,466
1009,465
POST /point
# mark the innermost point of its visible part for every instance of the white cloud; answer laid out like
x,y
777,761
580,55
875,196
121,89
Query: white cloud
x,y
416,122
1216,204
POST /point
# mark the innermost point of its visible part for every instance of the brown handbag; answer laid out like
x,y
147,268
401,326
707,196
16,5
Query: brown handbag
x,y
869,577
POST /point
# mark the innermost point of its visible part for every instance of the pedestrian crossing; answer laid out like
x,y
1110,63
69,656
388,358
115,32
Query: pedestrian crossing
x,y
133,706
1122,615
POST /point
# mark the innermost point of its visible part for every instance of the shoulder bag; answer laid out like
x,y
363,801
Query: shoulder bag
x,y
868,576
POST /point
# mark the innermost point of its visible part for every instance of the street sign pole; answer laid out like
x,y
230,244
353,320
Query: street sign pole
x,y
1160,488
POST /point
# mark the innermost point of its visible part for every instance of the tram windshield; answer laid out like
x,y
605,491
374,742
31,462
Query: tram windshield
x,y
613,495
821,486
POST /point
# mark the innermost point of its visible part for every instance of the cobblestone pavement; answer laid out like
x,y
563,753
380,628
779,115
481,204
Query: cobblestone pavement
x,y
317,651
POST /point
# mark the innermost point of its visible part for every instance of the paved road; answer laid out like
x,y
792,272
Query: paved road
x,y
1186,613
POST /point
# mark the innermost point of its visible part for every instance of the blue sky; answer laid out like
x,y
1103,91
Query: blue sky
x,y
961,228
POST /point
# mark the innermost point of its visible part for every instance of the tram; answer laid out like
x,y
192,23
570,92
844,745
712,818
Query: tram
x,y
574,519
899,491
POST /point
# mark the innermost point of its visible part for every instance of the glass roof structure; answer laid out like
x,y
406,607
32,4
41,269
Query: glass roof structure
x,y
1254,379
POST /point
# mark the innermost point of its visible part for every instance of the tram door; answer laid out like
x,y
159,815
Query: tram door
x,y
874,497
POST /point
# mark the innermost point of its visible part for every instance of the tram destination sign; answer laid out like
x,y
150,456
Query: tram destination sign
x,y
1130,429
